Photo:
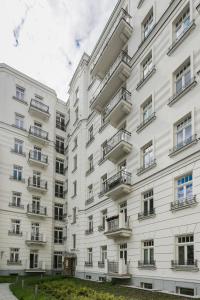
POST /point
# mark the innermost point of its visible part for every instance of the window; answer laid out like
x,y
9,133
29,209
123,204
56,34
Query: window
x,y
103,149
60,144
20,92
90,163
185,291
104,183
183,77
76,95
17,173
148,24
73,241
18,146
90,191
59,189
76,115
75,188
147,66
103,251
146,285
58,235
103,218
16,199
75,143
74,215
123,252
14,255
58,212
182,23
148,252
37,153
148,205
36,179
90,223
15,226
35,231
60,166
148,155
184,131
75,162
89,253
57,260
60,121
36,205
123,211
19,121
185,250
184,187
90,134
147,110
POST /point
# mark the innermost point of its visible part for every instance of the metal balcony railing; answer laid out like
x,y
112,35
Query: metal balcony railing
x,y
146,77
114,224
122,95
88,264
183,144
146,264
36,237
121,135
37,183
190,263
146,167
122,177
182,203
14,232
146,214
39,105
41,210
38,132
14,262
145,122
113,267
101,264
34,155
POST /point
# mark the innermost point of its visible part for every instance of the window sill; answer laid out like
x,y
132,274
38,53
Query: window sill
x,y
14,263
184,91
146,78
176,150
177,43
147,267
143,169
146,123
14,233
90,141
88,172
20,101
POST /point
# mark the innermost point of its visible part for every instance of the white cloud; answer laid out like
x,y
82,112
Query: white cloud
x,y
50,36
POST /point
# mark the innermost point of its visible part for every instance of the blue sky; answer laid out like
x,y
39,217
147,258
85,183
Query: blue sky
x,y
46,38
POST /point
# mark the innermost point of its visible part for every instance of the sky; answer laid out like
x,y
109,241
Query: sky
x,y
45,39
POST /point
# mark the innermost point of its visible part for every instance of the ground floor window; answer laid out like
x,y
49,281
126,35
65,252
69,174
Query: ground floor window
x,y
146,285
185,291
57,260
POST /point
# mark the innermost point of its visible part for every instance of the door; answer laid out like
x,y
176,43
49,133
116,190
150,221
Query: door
x,y
123,252
36,178
35,231
123,211
33,260
37,152
70,266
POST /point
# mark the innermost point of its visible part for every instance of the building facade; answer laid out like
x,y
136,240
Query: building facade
x,y
130,155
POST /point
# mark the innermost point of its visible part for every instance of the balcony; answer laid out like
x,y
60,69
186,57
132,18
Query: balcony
x,y
37,185
38,159
118,185
118,146
147,265
146,167
118,108
36,268
39,109
114,42
38,135
183,145
146,122
118,73
118,269
184,203
191,83
35,239
116,227
189,265
146,214
33,210
185,33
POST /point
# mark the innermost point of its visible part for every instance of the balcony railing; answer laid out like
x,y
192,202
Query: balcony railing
x,y
146,122
146,214
38,132
39,105
118,268
89,231
122,177
39,157
15,232
101,264
147,265
37,183
185,265
121,135
36,238
180,146
189,84
37,267
123,57
185,32
88,264
32,209
14,262
122,95
113,224
184,203
145,78
146,167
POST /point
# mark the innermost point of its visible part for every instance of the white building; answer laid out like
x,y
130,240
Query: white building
x,y
132,154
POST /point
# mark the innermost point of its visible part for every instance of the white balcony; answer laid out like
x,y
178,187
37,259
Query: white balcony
x,y
117,227
36,134
39,109
118,108
114,42
118,146
118,269
38,159
118,73
35,239
37,185
39,267
118,185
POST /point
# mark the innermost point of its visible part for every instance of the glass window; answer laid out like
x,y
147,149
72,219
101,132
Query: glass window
x,y
90,223
60,166
15,226
58,235
182,23
148,252
75,188
18,146
14,255
184,187
90,255
148,155
73,241
20,92
147,66
60,121
58,212
147,110
16,199
185,250
148,23
19,121
184,131
103,250
60,144
17,173
183,77
104,183
57,260
148,203
74,215
59,189
90,191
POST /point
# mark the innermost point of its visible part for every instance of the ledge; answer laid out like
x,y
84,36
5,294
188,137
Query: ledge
x,y
142,170
144,124
146,78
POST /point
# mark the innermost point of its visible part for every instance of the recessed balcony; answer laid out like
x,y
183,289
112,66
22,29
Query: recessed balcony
x,y
37,185
34,211
36,267
117,227
118,108
118,146
38,135
38,159
118,185
118,73
114,42
188,265
35,239
39,109
118,269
